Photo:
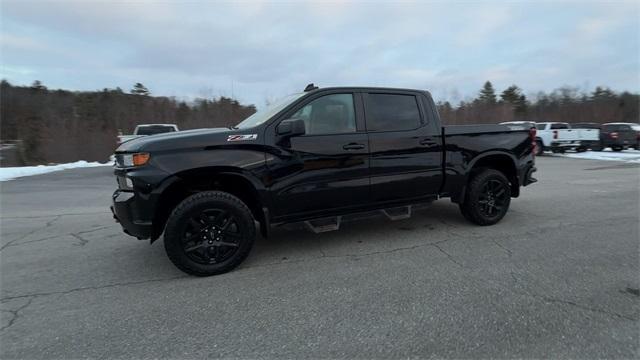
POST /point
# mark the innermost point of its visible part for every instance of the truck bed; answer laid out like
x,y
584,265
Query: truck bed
x,y
463,144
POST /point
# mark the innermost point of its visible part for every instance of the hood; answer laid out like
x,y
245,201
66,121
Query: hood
x,y
182,139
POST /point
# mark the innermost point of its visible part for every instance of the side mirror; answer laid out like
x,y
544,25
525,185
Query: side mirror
x,y
291,127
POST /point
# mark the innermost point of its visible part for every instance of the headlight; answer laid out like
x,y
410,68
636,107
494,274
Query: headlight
x,y
139,159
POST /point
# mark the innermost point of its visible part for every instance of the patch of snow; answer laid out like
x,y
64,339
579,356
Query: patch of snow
x,y
10,173
632,156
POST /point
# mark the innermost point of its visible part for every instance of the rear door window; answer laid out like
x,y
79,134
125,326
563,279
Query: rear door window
x,y
558,126
391,112
541,126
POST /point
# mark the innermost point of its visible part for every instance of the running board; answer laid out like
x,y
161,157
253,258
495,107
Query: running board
x,y
333,223
324,224
397,213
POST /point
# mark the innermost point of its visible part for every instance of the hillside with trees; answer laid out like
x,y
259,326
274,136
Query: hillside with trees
x,y
566,104
57,126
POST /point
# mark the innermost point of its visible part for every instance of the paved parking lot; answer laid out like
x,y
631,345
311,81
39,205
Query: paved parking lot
x,y
558,277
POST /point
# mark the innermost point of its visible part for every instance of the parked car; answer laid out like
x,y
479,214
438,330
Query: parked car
x,y
312,157
146,130
559,136
619,136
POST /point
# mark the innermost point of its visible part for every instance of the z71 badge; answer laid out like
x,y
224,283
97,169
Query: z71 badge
x,y
242,137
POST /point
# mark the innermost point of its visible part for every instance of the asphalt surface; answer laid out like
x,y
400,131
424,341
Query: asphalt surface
x,y
558,277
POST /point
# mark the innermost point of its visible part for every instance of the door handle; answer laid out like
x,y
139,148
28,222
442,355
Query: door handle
x,y
428,142
353,146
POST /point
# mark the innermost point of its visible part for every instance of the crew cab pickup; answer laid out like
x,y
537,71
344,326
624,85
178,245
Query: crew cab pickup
x,y
313,157
619,136
146,130
560,136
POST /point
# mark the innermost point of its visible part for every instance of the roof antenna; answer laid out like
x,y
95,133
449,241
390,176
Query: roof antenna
x,y
310,87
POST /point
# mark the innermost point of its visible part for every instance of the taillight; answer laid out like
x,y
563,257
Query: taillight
x,y
555,134
613,135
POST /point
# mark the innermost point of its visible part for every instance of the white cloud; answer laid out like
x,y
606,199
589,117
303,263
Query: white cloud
x,y
267,48
482,25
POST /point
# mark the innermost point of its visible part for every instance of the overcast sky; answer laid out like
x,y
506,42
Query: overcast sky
x,y
261,50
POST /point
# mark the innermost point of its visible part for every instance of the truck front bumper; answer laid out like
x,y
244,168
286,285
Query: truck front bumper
x,y
126,211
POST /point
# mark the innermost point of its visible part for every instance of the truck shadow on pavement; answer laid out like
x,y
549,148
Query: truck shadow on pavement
x,y
360,235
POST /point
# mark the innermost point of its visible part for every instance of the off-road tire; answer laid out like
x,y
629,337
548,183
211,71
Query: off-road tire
x,y
195,204
472,210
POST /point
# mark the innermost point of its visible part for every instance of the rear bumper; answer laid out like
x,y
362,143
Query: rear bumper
x,y
128,210
590,143
617,142
565,144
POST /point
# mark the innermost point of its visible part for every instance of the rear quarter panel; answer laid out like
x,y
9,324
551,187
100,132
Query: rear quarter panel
x,y
465,145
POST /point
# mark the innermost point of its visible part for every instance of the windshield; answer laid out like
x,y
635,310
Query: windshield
x,y
154,129
265,114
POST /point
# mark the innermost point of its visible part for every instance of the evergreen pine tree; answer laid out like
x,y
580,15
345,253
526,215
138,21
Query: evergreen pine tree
x,y
602,93
139,89
487,94
514,97
37,85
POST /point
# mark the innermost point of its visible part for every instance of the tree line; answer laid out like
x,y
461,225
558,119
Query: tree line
x,y
565,104
56,126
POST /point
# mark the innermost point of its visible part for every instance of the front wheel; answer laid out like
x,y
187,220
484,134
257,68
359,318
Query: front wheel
x,y
487,198
209,233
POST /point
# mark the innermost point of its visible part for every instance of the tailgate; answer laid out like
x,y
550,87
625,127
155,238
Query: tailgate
x,y
567,134
589,134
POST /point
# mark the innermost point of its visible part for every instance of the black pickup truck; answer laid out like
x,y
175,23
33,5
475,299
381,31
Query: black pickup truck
x,y
312,157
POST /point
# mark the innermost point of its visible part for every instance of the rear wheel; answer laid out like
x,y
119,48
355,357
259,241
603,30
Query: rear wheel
x,y
487,198
616,148
209,233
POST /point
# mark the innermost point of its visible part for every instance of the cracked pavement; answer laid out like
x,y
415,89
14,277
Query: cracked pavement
x,y
558,277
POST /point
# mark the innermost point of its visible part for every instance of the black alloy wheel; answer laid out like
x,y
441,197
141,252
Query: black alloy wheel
x,y
211,237
492,198
487,198
209,233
